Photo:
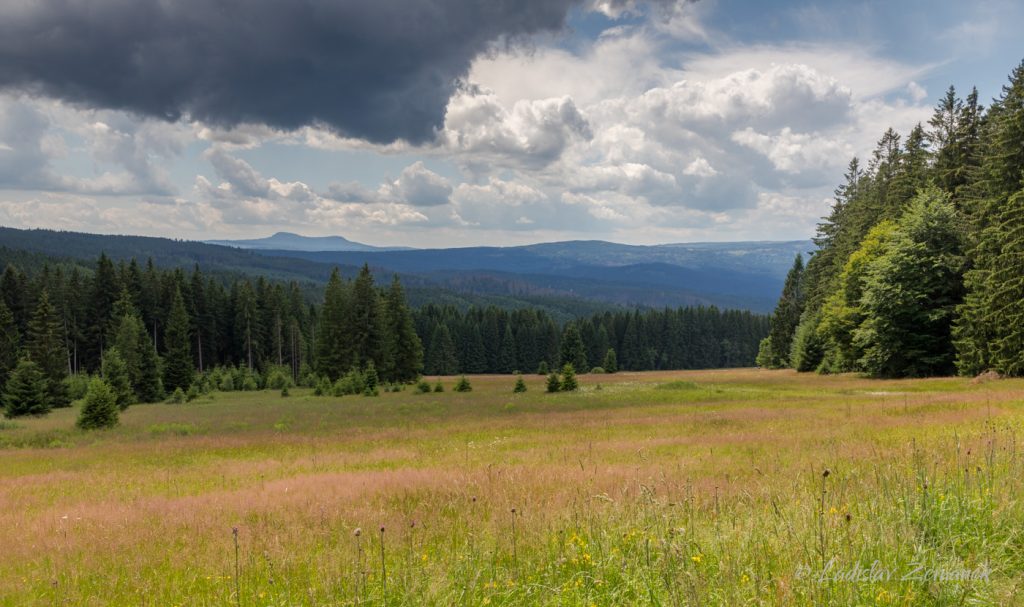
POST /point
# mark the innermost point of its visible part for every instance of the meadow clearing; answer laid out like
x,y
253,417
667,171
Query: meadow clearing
x,y
662,488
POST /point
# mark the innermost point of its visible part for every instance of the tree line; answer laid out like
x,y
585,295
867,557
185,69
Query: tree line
x,y
152,332
493,340
920,264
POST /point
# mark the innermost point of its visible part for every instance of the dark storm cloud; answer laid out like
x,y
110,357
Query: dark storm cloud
x,y
374,69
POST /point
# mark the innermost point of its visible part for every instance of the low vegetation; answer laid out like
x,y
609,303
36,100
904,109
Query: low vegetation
x,y
668,488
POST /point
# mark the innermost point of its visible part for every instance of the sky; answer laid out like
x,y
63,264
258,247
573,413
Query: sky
x,y
440,123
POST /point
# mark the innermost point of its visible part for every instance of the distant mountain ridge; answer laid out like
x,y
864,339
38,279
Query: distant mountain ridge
x,y
289,241
562,276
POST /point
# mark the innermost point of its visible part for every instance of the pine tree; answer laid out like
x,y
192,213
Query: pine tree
x,y
332,343
787,315
507,352
442,359
403,349
554,383
463,385
611,363
573,351
1004,290
116,374
9,340
366,330
46,348
569,382
100,408
178,367
25,392
520,386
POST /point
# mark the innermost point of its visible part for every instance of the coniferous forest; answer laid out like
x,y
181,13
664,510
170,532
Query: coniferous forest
x,y
152,333
920,265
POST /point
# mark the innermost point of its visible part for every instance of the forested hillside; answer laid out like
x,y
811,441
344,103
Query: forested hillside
x,y
920,267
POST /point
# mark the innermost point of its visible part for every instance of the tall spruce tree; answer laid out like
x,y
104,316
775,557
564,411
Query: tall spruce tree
x,y
9,340
116,373
333,348
366,330
786,316
403,353
998,223
573,351
441,357
47,349
178,367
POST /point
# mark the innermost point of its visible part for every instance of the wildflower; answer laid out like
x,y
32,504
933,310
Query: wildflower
x,y
745,578
833,510
696,558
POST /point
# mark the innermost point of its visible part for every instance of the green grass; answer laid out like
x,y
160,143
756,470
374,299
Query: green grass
x,y
685,488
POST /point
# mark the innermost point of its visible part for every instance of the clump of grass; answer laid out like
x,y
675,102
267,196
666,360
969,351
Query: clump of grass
x,y
678,385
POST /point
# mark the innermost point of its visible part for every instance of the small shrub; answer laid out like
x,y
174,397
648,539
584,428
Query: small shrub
x,y
422,386
370,377
192,394
368,391
520,386
249,384
554,383
177,397
323,387
284,392
598,370
438,387
77,385
463,385
542,368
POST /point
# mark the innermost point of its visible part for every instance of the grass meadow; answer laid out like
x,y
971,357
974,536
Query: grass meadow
x,y
666,488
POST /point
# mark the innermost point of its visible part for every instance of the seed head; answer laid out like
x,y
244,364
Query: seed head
x,y
382,528
357,532
826,473
848,517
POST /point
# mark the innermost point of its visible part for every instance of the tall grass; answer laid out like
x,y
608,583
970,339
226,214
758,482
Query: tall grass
x,y
744,488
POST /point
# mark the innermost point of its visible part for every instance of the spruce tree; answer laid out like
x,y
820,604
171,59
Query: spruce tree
x,y
520,386
25,392
9,340
100,407
1004,290
46,348
507,352
442,359
554,383
403,349
332,342
569,382
366,330
611,362
116,374
178,367
573,351
787,315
